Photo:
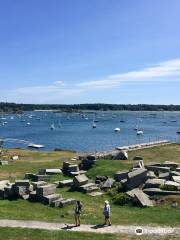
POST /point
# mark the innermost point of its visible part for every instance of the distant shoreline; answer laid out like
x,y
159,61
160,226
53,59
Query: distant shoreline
x,y
20,108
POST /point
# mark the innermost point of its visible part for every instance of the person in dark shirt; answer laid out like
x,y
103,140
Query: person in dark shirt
x,y
77,213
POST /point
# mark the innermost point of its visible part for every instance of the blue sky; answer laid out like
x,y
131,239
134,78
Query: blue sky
x,y
87,51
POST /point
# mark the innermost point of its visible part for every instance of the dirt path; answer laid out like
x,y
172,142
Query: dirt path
x,y
116,229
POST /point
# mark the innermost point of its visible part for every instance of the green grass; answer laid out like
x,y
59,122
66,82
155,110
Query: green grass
x,y
92,214
35,234
107,168
169,152
31,161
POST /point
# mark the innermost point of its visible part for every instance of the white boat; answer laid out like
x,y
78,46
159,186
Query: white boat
x,y
94,125
139,132
52,127
28,123
37,146
117,130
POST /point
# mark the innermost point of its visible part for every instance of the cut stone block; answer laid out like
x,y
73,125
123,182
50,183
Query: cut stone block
x,y
4,162
151,175
176,179
174,173
73,168
50,198
4,183
46,190
95,194
158,191
172,183
141,197
165,176
33,197
73,174
170,164
89,187
135,178
157,169
120,175
24,183
38,184
57,202
66,202
108,183
65,183
178,169
9,191
154,183
80,180
121,155
37,177
53,171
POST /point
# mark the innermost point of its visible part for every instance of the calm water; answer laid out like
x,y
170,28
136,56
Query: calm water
x,y
74,131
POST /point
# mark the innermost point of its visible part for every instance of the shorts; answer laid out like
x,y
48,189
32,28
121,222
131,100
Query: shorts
x,y
107,216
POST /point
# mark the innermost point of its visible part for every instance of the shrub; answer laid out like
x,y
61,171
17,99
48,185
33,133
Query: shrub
x,y
121,199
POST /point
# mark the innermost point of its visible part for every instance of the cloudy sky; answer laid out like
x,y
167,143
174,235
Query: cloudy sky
x,y
88,51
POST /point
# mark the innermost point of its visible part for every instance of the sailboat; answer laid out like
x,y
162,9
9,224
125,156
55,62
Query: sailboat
x,y
52,127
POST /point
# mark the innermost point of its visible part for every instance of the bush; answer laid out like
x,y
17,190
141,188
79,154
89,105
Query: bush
x,y
121,199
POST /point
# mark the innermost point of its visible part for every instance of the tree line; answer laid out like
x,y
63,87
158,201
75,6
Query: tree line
x,y
19,108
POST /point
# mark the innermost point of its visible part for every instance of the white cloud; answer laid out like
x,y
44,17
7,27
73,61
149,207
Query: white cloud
x,y
62,91
160,72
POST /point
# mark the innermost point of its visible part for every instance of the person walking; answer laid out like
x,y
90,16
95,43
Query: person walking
x,y
107,212
78,209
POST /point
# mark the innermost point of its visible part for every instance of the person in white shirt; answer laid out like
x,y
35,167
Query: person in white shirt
x,y
107,212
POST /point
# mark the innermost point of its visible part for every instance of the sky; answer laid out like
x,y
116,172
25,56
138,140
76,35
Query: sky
x,y
90,51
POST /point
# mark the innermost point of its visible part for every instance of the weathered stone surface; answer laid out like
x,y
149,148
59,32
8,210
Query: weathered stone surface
x,y
101,178
50,198
66,202
87,163
176,179
135,178
38,177
158,191
33,197
38,184
4,183
24,183
95,194
165,176
108,183
120,175
65,183
9,191
121,155
46,190
172,183
174,173
21,191
154,183
170,164
151,175
73,174
178,169
157,169
15,158
141,197
4,162
80,180
73,168
89,187
57,202
53,171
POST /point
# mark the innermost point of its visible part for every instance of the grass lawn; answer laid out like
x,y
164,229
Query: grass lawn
x,y
34,234
31,161
92,214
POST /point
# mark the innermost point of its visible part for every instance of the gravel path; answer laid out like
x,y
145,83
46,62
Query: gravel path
x,y
116,229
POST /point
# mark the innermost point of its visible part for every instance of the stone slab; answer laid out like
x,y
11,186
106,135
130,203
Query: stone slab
x,y
154,183
65,183
46,190
80,180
